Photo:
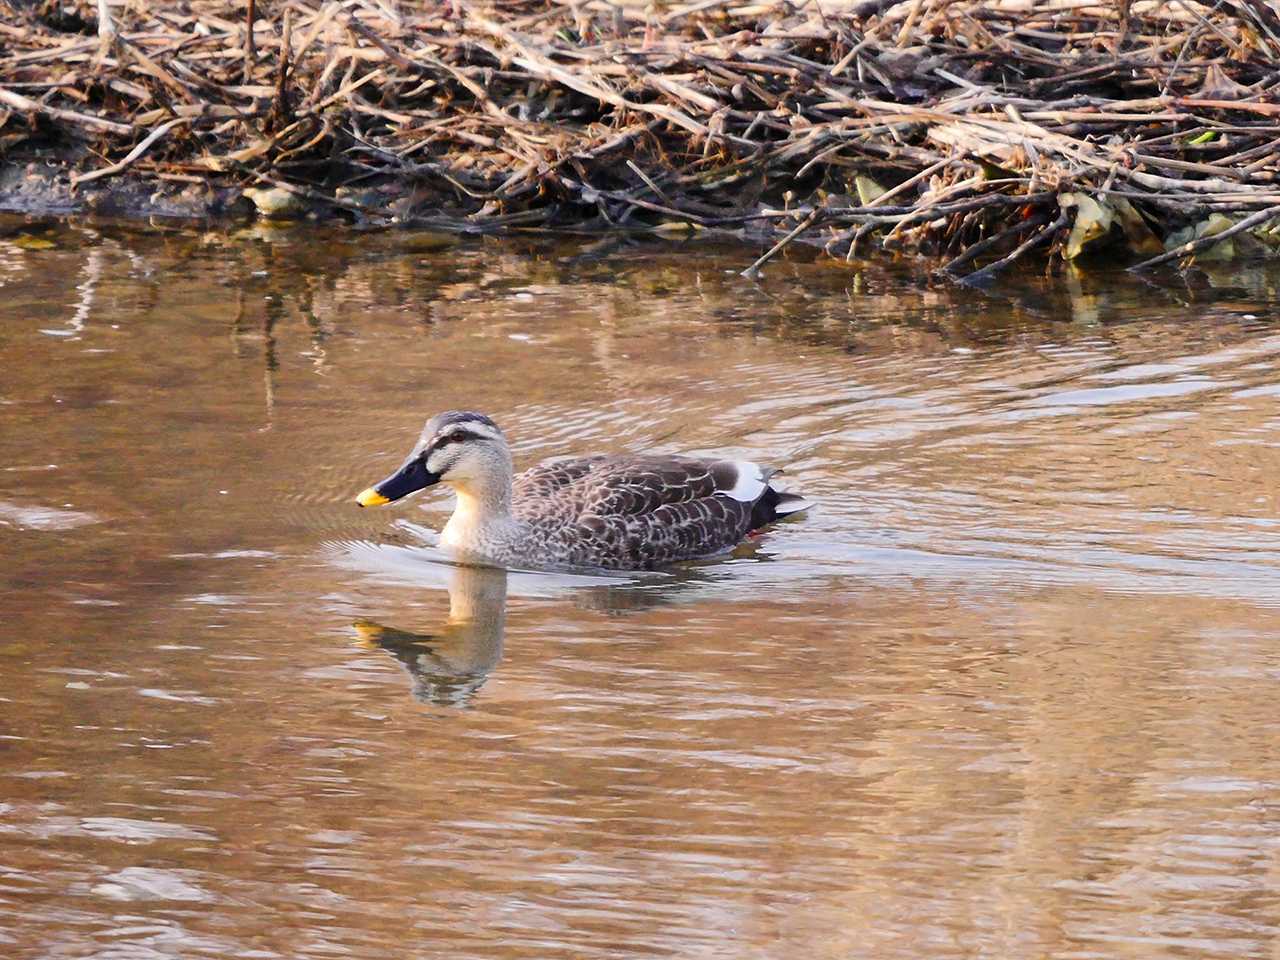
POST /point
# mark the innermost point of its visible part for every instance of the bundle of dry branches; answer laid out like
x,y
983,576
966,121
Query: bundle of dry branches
x,y
965,129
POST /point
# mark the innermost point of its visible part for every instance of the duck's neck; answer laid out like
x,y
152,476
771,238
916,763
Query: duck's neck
x,y
482,517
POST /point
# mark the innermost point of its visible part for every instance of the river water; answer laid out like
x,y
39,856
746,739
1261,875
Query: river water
x,y
1009,690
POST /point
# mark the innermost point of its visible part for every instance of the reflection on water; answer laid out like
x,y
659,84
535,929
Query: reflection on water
x,y
447,666
1010,691
448,662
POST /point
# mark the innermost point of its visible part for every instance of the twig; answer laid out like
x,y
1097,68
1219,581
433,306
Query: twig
x,y
106,25
132,155
905,185
541,66
19,102
991,269
982,246
753,271
250,52
280,107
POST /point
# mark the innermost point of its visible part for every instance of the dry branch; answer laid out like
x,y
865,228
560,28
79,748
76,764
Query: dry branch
x,y
131,156
974,117
19,102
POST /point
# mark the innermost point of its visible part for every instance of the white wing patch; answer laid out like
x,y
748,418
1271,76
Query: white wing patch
x,y
750,484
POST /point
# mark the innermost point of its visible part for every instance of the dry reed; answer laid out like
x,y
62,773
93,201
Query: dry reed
x,y
963,129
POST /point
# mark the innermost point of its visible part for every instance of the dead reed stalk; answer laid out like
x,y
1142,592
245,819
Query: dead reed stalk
x,y
995,128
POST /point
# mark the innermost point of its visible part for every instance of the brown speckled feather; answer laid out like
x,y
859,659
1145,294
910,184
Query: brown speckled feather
x,y
629,512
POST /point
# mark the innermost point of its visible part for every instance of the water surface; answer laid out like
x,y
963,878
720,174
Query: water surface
x,y
1010,690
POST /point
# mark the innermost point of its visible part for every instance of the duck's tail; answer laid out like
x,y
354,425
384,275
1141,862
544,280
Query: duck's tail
x,y
789,503
776,504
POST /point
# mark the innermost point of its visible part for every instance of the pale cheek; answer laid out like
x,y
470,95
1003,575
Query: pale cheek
x,y
437,463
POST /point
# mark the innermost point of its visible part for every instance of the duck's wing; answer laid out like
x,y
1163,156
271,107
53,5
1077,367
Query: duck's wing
x,y
647,511
634,486
544,482
631,485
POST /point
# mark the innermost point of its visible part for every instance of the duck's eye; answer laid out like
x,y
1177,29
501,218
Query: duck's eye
x,y
451,438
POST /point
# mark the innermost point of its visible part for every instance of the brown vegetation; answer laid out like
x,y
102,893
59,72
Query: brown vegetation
x,y
969,130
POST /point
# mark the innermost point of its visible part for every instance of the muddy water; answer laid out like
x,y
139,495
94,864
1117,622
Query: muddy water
x,y
1009,691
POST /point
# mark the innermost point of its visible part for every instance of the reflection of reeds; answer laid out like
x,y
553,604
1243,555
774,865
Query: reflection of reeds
x,y
288,293
1086,121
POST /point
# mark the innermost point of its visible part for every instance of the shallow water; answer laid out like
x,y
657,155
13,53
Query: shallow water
x,y
1010,690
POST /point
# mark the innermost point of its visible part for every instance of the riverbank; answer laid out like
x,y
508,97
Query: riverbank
x,y
976,133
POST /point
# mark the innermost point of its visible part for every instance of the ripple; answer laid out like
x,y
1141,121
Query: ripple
x,y
152,883
44,518
180,696
228,555
421,566
1024,645
43,825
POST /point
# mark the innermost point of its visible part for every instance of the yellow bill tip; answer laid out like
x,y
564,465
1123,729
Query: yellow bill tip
x,y
368,633
371,498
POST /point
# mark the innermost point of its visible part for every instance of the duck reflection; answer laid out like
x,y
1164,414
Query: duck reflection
x,y
448,666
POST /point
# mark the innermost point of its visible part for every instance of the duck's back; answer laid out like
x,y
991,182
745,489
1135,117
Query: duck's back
x,y
641,511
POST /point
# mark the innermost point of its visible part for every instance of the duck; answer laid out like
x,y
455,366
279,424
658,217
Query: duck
x,y
609,512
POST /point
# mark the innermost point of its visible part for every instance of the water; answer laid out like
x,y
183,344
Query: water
x,y
1008,691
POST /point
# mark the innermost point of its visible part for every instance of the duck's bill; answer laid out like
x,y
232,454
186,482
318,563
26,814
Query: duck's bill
x,y
413,476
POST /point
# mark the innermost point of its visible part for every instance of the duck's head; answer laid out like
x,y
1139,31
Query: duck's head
x,y
460,447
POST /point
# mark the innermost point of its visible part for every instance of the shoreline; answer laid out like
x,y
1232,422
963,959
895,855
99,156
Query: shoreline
x,y
977,134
